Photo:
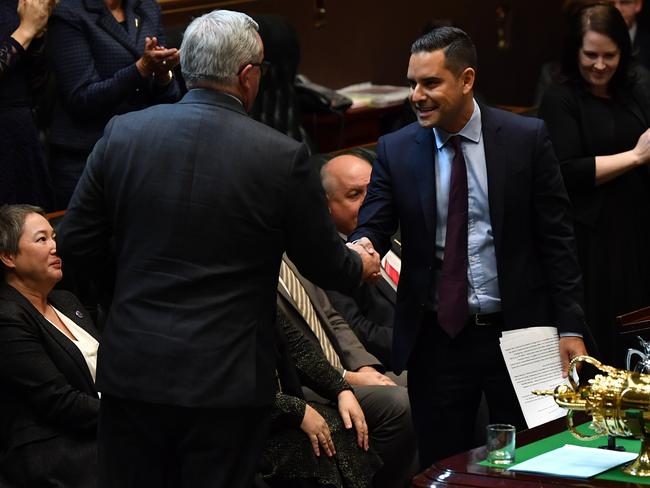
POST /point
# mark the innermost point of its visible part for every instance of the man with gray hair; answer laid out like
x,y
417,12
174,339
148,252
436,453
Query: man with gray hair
x,y
199,202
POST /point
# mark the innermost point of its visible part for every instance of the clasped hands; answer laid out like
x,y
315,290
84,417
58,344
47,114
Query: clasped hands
x,y
314,425
157,60
369,258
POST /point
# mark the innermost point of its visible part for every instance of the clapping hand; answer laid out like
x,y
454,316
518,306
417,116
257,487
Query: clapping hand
x,y
33,15
157,60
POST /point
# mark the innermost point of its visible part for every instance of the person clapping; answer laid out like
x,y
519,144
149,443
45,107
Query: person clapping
x,y
109,58
25,178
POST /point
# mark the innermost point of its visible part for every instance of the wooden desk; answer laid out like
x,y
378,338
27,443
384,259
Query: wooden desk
x,y
355,127
463,470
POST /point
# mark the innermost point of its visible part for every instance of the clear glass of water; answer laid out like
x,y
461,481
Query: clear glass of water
x,y
501,443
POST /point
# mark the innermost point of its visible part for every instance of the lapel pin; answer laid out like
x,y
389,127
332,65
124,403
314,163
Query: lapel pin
x,y
137,22
79,314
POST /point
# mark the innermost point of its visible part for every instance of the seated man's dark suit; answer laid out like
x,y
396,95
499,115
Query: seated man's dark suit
x,y
370,312
386,407
538,275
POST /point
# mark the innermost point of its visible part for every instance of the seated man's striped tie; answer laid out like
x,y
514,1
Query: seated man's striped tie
x,y
290,281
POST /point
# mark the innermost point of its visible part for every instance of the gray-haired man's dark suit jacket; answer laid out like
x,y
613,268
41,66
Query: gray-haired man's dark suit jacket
x,y
201,202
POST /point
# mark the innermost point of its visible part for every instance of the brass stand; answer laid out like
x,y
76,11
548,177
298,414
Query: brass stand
x,y
641,465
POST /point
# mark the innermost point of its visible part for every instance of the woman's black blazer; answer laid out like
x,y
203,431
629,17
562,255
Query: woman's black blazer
x,y
47,389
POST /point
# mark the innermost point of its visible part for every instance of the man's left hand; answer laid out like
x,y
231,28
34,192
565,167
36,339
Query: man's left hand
x,y
570,347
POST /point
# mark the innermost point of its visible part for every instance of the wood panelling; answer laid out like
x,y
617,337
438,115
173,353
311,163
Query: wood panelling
x,y
369,40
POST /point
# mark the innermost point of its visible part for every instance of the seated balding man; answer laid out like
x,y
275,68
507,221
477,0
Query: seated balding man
x,y
368,309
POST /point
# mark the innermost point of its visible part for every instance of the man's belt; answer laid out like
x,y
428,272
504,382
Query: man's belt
x,y
485,319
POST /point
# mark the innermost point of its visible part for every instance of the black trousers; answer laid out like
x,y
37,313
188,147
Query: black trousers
x,y
144,445
445,382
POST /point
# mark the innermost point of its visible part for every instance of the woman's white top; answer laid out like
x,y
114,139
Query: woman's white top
x,y
86,343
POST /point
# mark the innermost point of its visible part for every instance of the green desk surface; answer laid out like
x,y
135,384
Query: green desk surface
x,y
558,440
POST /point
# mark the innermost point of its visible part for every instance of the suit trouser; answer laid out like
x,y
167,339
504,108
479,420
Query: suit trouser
x,y
388,415
144,445
445,382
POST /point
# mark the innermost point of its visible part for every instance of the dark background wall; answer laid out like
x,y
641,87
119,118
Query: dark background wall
x,y
369,40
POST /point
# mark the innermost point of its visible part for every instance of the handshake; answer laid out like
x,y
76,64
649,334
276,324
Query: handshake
x,y
369,258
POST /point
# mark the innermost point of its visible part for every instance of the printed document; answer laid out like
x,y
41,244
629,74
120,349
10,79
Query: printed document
x,y
532,356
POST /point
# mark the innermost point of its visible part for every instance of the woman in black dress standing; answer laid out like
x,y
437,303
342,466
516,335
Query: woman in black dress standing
x,y
598,120
25,178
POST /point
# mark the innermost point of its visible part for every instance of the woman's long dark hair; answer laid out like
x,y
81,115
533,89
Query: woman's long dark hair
x,y
604,19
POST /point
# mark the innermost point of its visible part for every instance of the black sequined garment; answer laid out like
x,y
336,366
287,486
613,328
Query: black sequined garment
x,y
288,453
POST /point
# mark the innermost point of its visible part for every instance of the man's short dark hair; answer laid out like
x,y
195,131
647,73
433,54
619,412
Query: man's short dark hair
x,y
460,52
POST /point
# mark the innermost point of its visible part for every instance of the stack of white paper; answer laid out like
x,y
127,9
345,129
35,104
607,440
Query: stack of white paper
x,y
574,461
532,356
367,94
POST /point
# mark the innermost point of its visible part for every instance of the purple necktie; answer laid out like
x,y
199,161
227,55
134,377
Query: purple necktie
x,y
452,289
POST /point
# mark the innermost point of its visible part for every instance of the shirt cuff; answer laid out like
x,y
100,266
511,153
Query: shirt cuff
x,y
17,46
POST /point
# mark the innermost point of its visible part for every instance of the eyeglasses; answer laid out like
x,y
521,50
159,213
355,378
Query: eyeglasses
x,y
263,66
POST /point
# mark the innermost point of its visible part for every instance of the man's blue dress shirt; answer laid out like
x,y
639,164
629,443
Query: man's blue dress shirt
x,y
483,286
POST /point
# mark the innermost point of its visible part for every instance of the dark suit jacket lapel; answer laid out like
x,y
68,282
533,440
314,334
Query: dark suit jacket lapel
x,y
134,23
67,345
107,22
52,332
496,161
74,313
386,290
423,167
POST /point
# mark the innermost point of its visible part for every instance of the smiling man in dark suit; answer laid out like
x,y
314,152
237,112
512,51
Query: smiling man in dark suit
x,y
199,202
487,244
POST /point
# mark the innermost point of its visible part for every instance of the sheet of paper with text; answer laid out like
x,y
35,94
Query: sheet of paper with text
x,y
532,356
